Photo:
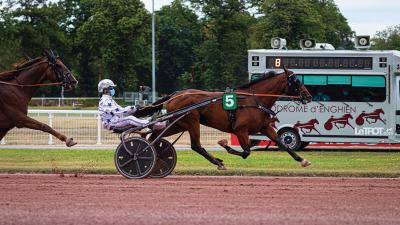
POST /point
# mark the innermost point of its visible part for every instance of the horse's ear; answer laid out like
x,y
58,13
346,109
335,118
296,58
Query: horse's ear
x,y
50,56
285,69
47,53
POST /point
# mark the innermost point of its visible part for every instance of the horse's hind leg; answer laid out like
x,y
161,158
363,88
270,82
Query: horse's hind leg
x,y
244,142
197,148
272,135
193,127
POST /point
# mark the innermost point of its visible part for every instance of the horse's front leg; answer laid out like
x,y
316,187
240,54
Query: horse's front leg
x,y
316,130
272,135
348,124
244,142
27,122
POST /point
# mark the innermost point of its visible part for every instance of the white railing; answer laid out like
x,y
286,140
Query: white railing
x,y
85,127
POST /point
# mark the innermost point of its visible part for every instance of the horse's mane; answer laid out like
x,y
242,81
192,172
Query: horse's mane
x,y
9,75
27,63
265,76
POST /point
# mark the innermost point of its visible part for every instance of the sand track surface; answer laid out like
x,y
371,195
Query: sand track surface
x,y
97,199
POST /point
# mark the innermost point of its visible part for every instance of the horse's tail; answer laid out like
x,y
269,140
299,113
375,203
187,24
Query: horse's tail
x,y
153,108
163,99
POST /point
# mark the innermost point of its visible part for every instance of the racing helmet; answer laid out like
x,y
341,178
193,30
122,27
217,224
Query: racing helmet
x,y
106,83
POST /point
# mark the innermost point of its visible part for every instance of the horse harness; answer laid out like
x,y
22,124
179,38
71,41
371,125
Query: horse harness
x,y
294,85
232,113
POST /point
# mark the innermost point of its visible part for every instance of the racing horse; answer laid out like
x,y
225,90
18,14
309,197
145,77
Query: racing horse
x,y
253,114
18,86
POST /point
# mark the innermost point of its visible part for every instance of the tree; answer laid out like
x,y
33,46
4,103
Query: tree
x,y
336,29
178,33
388,39
30,26
222,55
298,19
9,45
113,42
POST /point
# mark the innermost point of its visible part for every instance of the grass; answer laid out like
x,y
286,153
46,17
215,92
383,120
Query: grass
x,y
349,164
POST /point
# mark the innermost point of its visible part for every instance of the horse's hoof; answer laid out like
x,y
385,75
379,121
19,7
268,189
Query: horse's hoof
x,y
219,160
245,154
221,167
223,143
305,163
70,142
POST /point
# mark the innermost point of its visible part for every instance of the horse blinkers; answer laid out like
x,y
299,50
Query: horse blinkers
x,y
62,75
294,88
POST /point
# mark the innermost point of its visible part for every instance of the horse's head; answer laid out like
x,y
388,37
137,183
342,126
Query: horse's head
x,y
296,87
59,72
379,111
314,121
347,116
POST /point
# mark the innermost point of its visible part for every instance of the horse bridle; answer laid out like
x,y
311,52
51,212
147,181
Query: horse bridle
x,y
52,62
60,73
294,85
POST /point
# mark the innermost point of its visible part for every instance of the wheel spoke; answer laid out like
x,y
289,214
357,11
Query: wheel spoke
x,y
163,164
127,162
166,152
137,149
128,151
138,167
143,150
146,157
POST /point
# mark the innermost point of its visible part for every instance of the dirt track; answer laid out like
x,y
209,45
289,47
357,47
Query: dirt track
x,y
52,199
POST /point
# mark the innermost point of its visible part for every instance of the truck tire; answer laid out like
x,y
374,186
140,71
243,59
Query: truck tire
x,y
290,138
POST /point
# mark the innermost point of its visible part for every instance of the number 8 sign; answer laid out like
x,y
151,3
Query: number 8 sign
x,y
229,101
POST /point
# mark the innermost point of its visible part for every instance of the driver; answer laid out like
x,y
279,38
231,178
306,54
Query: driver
x,y
113,115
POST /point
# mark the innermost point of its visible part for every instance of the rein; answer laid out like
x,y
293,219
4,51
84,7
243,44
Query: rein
x,y
239,93
32,85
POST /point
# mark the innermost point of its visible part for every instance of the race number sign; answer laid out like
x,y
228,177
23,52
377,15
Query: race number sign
x,y
229,101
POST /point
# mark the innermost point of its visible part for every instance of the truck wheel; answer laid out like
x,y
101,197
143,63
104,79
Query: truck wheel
x,y
290,138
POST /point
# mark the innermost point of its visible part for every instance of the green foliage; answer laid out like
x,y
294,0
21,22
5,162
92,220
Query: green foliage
x,y
178,33
199,43
335,27
222,56
29,27
114,43
388,39
298,19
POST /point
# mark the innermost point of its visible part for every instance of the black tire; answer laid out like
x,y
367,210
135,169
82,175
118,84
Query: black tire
x,y
166,159
304,144
290,138
137,161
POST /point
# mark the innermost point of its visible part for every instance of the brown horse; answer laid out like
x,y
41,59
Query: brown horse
x,y
17,88
252,115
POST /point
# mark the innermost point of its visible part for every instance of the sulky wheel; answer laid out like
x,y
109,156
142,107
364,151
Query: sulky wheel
x,y
137,160
166,159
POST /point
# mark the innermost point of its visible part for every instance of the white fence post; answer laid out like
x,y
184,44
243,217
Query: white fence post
x,y
98,129
51,125
3,141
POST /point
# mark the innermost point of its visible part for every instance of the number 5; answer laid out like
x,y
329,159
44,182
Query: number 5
x,y
229,101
